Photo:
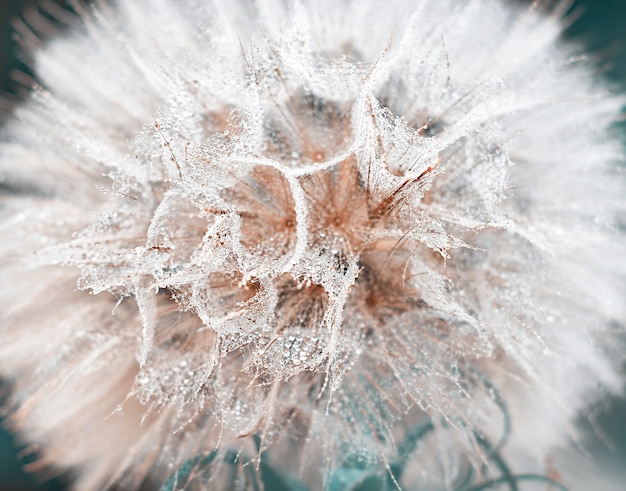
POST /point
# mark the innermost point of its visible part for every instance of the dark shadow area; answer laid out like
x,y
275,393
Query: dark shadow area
x,y
601,28
9,10
15,458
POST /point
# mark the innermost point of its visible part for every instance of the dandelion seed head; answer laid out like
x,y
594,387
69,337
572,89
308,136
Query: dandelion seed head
x,y
302,229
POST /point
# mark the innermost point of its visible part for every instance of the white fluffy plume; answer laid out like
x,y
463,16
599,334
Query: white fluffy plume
x,y
344,240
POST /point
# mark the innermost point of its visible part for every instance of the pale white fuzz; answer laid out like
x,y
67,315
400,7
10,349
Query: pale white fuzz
x,y
321,242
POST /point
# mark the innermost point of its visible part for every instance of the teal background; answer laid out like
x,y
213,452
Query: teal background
x,y
601,27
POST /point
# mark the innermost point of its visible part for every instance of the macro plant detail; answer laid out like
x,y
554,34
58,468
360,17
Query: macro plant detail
x,y
338,245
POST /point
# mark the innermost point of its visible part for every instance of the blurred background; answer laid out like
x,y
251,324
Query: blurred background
x,y
601,27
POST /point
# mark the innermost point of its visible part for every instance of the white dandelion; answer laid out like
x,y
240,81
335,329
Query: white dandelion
x,y
310,244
